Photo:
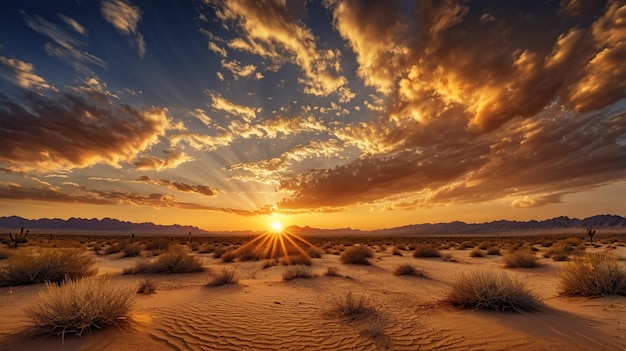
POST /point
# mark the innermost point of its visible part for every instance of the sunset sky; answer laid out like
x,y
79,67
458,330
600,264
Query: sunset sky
x,y
228,115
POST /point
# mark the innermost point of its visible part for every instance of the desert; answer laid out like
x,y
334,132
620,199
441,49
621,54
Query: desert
x,y
282,291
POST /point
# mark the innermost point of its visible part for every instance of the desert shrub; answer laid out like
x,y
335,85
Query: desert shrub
x,y
356,255
80,305
228,256
46,265
449,258
225,276
299,271
493,290
331,271
408,269
112,249
247,253
194,246
484,245
132,249
476,252
465,245
426,250
593,275
158,244
314,252
269,263
396,251
218,251
558,252
206,248
520,258
412,246
175,260
351,306
147,287
494,250
295,260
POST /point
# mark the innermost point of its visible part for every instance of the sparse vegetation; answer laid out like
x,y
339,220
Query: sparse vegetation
x,y
45,265
331,271
492,290
132,249
426,250
357,255
408,269
295,260
351,306
593,274
78,306
299,271
225,276
520,258
494,250
476,252
175,260
147,287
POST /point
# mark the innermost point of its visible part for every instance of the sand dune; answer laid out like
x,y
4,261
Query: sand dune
x,y
264,313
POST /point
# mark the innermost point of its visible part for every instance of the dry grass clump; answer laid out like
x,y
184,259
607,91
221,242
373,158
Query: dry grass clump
x,y
520,258
225,276
331,271
558,252
593,275
408,269
351,306
158,244
396,251
175,260
494,250
112,249
357,255
465,245
476,252
299,271
132,249
314,252
295,260
426,250
77,306
46,265
147,287
492,290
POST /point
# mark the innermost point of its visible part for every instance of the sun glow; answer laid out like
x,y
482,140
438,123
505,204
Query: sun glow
x,y
277,226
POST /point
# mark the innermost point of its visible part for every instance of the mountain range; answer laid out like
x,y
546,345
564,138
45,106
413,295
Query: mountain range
x,y
110,225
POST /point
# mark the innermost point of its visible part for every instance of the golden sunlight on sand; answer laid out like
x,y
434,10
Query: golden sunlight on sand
x,y
392,308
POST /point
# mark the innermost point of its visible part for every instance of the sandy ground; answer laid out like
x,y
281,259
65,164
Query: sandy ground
x,y
264,313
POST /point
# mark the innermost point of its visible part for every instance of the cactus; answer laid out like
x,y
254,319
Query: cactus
x,y
591,232
18,238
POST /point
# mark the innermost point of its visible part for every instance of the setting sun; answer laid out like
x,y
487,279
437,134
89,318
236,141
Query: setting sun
x,y
277,227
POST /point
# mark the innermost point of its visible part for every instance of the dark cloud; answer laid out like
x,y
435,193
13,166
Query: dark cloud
x,y
171,159
67,130
479,111
197,189
115,197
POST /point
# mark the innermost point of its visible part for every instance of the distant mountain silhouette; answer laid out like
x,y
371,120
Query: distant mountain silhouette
x,y
110,225
504,226
94,225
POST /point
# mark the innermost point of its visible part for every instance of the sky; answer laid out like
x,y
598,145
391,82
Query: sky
x,y
229,115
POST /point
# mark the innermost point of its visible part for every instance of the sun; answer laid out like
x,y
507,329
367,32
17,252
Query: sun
x,y
277,226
